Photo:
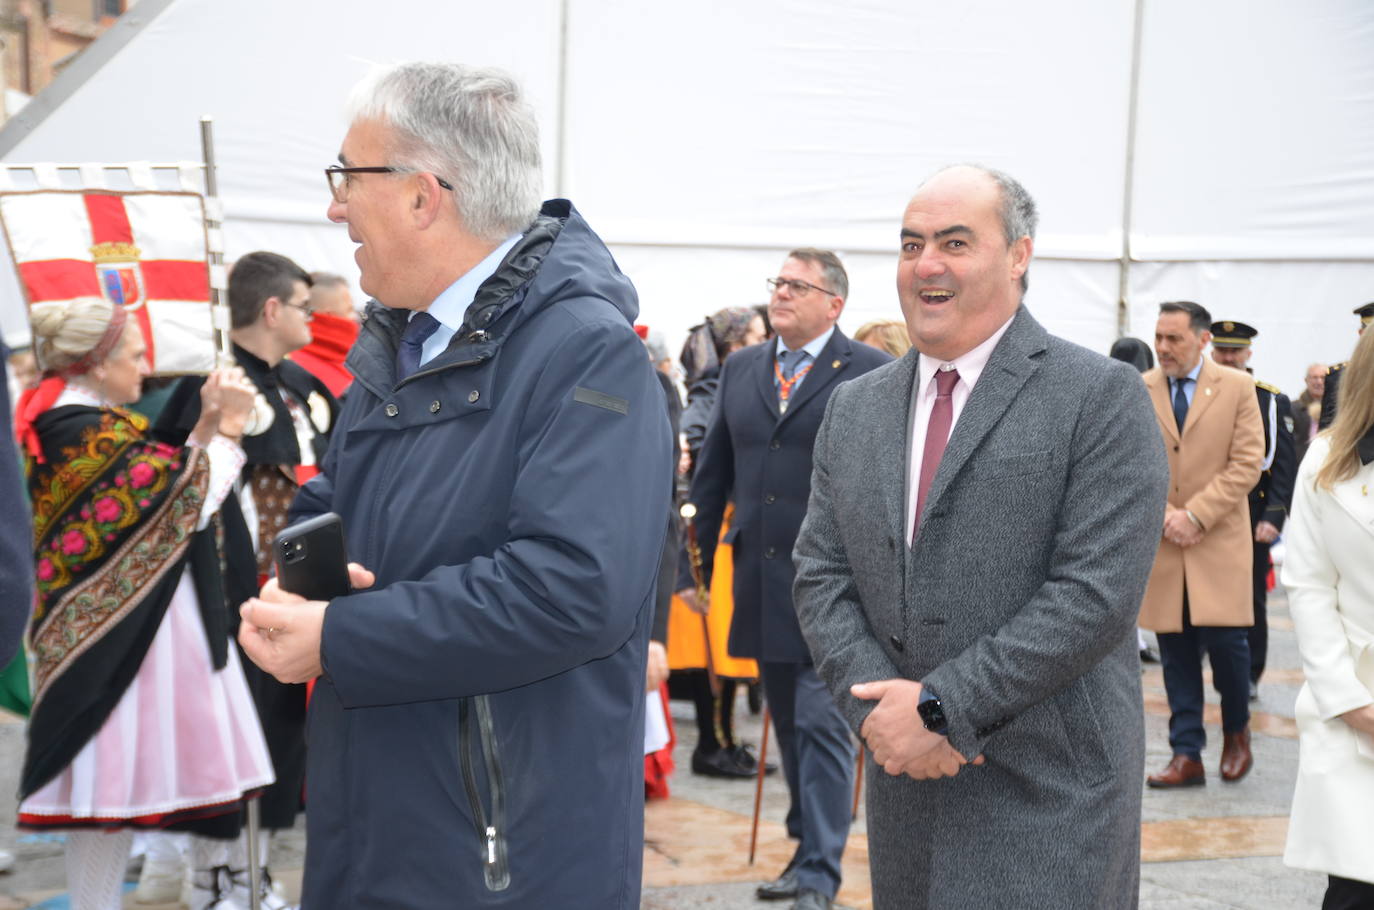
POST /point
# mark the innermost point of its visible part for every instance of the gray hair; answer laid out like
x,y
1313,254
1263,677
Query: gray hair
x,y
831,268
468,126
1018,214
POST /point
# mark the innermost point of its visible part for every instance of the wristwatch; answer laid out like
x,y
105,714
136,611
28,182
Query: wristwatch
x,y
932,713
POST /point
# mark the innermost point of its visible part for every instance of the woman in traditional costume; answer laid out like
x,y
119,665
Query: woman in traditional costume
x,y
141,716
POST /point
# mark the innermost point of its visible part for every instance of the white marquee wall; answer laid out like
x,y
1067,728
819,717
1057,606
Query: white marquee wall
x,y
705,140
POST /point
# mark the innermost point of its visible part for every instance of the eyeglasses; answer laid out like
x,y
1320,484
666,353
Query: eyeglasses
x,y
340,180
305,308
798,288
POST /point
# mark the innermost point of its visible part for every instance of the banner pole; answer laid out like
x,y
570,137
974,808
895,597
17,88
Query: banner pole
x,y
216,258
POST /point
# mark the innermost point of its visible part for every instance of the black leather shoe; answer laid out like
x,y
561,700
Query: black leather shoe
x,y
720,763
810,899
780,888
745,758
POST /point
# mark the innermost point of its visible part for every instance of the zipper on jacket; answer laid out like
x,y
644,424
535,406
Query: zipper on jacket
x,y
490,831
480,358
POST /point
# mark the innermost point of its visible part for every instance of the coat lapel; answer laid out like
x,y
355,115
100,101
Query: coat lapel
x,y
1356,497
763,377
1010,365
892,415
826,370
1208,383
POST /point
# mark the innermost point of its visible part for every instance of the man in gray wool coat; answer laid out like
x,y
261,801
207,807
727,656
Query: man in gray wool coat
x,y
983,517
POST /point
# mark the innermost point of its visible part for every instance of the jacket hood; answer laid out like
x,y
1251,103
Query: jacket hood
x,y
559,258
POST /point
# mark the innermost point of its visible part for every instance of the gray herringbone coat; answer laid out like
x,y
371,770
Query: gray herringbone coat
x,y
1017,605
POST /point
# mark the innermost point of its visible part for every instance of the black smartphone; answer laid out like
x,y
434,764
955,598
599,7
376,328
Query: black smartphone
x,y
311,559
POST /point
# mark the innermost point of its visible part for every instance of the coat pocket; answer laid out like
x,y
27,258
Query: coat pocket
x,y
475,722
1079,715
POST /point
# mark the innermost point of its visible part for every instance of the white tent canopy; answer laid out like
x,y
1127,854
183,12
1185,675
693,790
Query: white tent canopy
x,y
703,141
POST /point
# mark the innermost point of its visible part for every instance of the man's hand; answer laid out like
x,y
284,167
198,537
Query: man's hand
x,y
280,631
893,730
900,743
694,603
1266,532
1179,529
942,761
656,670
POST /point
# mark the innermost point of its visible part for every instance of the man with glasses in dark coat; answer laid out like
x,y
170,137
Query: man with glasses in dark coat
x,y
757,451
502,466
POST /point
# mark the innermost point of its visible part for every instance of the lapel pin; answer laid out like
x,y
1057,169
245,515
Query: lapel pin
x,y
835,364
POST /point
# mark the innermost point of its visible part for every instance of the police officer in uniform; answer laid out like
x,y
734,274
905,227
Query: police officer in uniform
x,y
1333,376
1271,496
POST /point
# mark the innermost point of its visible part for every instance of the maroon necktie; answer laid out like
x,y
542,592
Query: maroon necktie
x,y
937,434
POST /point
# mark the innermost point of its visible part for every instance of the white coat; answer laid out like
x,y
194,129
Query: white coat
x,y
1329,573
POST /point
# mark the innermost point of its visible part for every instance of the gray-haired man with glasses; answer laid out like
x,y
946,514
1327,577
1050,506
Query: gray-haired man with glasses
x,y
502,467
757,452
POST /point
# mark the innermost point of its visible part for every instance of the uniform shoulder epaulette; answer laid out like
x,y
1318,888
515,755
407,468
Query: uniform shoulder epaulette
x,y
1336,367
1272,390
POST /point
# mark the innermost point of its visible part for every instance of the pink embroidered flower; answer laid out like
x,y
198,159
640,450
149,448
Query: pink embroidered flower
x,y
46,572
142,474
121,480
108,509
144,503
73,542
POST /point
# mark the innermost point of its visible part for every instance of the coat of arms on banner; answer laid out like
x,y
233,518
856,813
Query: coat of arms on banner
x,y
145,251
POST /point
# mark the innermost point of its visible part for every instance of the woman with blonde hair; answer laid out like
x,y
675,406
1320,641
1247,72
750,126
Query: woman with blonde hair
x,y
888,335
141,716
1329,573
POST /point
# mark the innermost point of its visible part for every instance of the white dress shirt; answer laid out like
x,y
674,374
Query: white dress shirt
x,y
452,304
970,366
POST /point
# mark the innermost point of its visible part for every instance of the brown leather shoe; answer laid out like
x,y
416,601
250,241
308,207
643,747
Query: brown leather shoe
x,y
1235,755
1181,771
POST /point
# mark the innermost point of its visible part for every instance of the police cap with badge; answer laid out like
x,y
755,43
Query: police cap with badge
x,y
1228,334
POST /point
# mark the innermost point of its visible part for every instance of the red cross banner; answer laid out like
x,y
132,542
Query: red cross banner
x,y
146,251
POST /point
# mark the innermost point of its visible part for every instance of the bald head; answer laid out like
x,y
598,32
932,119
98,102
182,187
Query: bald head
x,y
959,278
330,295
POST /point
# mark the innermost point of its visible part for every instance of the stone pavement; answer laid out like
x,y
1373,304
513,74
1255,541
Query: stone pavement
x,y
1212,847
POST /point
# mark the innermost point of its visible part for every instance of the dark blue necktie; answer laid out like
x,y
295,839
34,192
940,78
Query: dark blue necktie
x,y
420,327
1180,402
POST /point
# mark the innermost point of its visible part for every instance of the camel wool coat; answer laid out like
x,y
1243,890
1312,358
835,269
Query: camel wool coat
x,y
1213,464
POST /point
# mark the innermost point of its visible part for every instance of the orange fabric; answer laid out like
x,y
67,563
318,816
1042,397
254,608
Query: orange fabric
x,y
686,650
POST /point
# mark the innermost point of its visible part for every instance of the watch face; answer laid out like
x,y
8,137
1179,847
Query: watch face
x,y
933,716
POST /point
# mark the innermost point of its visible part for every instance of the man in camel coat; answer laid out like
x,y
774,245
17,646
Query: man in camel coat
x,y
1199,592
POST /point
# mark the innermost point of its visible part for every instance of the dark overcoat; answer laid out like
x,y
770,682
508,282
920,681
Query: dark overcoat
x,y
761,458
1016,605
477,737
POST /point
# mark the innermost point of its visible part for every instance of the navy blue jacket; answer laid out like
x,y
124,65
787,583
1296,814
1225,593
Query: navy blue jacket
x,y
477,737
762,460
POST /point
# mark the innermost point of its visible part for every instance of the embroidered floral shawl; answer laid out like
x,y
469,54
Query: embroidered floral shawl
x,y
114,513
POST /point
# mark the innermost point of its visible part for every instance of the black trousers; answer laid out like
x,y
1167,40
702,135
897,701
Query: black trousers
x,y
1348,894
1259,632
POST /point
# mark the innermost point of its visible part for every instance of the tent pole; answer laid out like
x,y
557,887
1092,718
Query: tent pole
x,y
207,153
1123,303
560,187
